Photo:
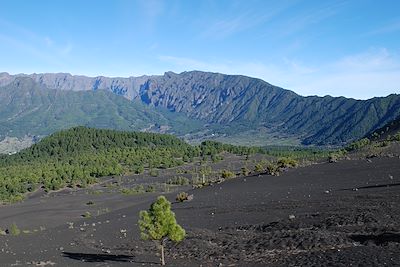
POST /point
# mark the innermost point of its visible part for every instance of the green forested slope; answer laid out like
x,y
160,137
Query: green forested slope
x,y
390,131
76,157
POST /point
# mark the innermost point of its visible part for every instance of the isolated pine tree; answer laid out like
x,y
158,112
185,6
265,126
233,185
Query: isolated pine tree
x,y
159,224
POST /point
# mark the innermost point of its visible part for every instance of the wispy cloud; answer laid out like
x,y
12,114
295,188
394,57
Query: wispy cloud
x,y
183,62
152,8
375,72
372,60
310,17
43,48
151,11
49,42
392,27
229,26
239,20
153,46
66,49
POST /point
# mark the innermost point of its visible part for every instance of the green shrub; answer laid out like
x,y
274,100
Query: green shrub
x,y
87,215
14,230
178,180
272,169
139,169
384,143
16,198
227,174
245,171
259,167
153,172
198,181
332,158
181,171
139,189
150,189
358,144
396,137
182,196
286,162
216,158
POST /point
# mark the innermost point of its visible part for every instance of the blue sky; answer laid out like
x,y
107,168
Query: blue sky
x,y
349,48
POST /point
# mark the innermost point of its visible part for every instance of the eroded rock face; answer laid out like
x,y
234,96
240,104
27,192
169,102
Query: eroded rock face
x,y
5,78
127,87
211,96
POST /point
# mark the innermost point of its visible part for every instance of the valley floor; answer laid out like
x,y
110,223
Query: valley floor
x,y
329,214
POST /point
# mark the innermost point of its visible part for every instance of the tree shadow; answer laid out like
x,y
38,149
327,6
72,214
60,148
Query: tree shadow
x,y
96,257
370,186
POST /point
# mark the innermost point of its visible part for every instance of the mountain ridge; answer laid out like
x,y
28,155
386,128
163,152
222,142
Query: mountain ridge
x,y
235,105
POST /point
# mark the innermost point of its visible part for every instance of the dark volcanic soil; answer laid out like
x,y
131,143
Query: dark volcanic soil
x,y
339,214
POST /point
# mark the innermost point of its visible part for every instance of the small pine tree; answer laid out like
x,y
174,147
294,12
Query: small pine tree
x,y
245,171
259,167
14,230
159,224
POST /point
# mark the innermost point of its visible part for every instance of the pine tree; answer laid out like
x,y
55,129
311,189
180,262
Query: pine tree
x,y
159,224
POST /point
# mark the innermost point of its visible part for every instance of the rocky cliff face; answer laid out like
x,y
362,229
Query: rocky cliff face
x,y
214,97
127,87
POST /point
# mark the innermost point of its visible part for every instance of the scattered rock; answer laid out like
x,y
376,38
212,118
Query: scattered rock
x,y
41,263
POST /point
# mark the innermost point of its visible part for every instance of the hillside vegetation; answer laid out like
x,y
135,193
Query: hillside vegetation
x,y
382,142
388,132
76,157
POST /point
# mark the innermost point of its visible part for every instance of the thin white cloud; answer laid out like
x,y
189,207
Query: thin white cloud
x,y
309,18
151,11
372,60
226,27
299,67
392,27
152,8
65,50
153,46
49,42
237,22
42,48
185,62
375,72
25,47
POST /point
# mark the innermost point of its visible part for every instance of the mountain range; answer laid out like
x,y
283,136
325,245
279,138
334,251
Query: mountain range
x,y
196,105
